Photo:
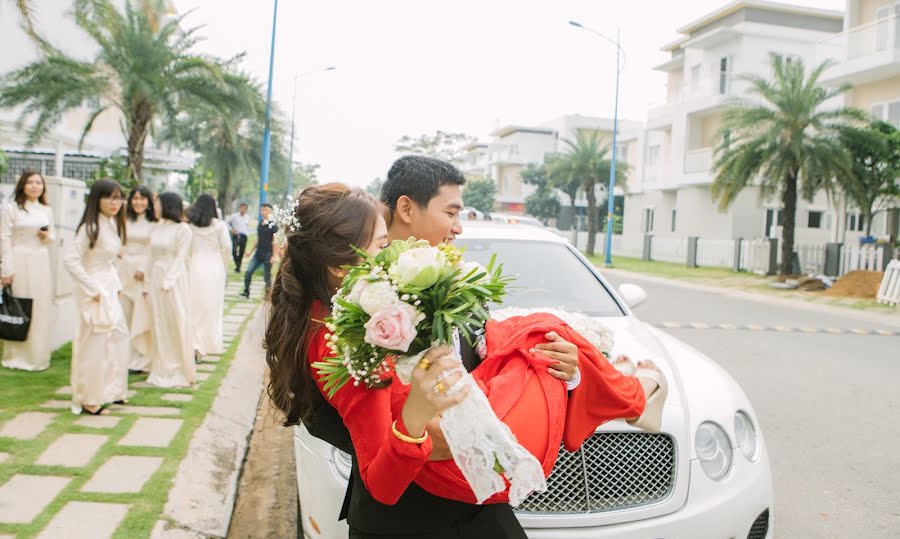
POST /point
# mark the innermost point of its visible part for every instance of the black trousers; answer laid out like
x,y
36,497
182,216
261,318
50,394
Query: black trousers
x,y
238,246
493,521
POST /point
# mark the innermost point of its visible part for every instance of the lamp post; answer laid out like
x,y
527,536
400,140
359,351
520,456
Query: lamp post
x,y
607,251
290,171
267,134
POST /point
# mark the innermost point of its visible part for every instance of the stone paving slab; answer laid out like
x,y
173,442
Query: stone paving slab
x,y
98,421
164,530
202,376
57,405
152,432
177,397
143,410
85,520
66,390
27,425
72,450
211,359
121,474
143,385
24,497
234,319
206,367
4,457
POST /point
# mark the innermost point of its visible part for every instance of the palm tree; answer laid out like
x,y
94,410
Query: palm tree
x,y
143,68
586,160
26,10
787,139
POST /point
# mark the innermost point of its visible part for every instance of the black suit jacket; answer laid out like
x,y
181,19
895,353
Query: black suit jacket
x,y
417,511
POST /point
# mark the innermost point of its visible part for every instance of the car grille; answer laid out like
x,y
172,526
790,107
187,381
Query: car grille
x,y
760,527
612,471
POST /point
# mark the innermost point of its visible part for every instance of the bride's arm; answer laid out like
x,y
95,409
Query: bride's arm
x,y
387,464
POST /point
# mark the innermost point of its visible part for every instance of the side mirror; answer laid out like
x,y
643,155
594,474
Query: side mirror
x,y
633,295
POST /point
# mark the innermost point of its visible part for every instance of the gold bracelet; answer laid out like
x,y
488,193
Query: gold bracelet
x,y
408,439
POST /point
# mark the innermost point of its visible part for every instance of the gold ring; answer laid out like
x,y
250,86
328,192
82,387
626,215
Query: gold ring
x,y
439,388
425,364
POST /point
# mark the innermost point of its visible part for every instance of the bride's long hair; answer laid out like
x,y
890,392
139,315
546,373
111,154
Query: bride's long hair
x,y
332,218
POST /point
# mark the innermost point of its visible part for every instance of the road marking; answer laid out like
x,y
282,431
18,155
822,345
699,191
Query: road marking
x,y
778,329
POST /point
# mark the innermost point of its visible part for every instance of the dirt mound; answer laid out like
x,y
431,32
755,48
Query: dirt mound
x,y
857,284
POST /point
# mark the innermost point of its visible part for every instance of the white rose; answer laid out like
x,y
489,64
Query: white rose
x,y
419,268
376,296
356,291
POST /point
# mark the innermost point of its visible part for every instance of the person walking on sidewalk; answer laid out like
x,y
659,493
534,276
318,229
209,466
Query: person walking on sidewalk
x,y
239,227
263,252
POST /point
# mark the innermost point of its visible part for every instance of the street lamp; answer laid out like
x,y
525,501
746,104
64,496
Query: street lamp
x,y
607,251
267,134
290,175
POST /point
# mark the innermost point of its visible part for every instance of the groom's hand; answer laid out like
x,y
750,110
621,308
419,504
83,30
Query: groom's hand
x,y
439,448
564,352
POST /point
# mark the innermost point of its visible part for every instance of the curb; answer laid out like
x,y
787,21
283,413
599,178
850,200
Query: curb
x,y
202,497
878,318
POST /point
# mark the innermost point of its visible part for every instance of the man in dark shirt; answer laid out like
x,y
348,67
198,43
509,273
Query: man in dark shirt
x,y
263,251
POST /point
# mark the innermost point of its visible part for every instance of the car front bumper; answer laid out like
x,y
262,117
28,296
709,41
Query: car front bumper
x,y
713,510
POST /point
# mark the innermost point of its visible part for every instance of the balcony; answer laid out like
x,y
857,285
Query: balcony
x,y
699,160
863,54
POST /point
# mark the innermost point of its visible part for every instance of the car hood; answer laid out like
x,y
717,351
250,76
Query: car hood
x,y
699,389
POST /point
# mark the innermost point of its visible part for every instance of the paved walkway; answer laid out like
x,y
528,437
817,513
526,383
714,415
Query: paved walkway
x,y
100,466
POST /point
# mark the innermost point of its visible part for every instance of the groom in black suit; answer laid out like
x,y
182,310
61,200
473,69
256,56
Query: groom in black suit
x,y
424,197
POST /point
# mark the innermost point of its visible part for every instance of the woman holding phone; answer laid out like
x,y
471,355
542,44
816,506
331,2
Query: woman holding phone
x,y
26,232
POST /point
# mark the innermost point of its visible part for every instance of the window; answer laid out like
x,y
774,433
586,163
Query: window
x,y
673,220
695,77
887,112
653,155
622,153
856,222
882,27
724,77
774,218
647,221
814,219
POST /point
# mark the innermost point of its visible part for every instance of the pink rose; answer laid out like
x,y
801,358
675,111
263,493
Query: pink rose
x,y
393,327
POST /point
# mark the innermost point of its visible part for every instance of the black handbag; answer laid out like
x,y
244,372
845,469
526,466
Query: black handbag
x,y
15,316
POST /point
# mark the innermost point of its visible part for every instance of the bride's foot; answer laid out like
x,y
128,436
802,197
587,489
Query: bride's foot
x,y
624,365
95,410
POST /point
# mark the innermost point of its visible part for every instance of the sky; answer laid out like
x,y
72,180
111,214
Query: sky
x,y
409,67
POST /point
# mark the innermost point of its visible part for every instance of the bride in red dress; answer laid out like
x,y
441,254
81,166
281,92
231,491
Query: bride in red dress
x,y
387,424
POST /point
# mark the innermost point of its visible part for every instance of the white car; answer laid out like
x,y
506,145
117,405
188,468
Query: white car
x,y
705,475
516,220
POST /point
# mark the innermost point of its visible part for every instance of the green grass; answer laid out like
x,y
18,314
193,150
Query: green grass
x,y
25,391
726,278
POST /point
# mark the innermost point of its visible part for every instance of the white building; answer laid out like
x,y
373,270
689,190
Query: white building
x,y
867,55
672,195
513,147
58,153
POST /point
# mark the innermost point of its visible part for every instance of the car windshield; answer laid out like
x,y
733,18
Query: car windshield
x,y
547,274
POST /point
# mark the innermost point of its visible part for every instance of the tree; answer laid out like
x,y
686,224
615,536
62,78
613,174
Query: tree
x,y
448,147
374,187
786,139
480,194
143,68
586,161
875,154
26,11
543,203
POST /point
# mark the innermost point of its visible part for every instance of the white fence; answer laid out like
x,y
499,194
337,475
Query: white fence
x,y
889,292
755,256
669,249
812,258
866,257
715,253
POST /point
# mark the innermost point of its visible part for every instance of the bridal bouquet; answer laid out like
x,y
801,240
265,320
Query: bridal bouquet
x,y
389,311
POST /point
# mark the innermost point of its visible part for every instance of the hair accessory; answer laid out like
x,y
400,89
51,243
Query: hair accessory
x,y
285,218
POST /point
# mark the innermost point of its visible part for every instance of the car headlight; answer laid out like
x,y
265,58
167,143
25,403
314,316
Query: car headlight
x,y
341,462
745,435
714,450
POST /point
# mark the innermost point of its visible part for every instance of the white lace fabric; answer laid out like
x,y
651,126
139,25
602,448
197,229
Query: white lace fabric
x,y
478,439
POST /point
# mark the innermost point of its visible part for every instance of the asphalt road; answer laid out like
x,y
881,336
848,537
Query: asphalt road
x,y
828,404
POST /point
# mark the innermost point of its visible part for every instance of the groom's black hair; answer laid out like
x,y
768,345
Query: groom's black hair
x,y
418,177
